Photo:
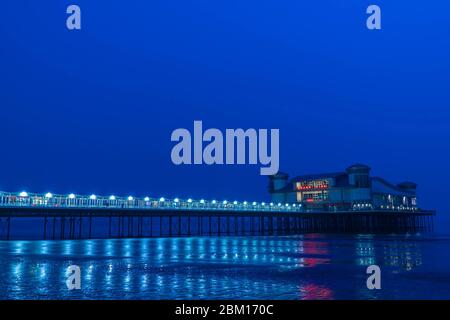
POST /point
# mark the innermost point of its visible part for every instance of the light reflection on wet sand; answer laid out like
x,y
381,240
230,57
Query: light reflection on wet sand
x,y
290,267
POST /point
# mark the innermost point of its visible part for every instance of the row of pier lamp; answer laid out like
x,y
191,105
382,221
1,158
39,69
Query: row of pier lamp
x,y
130,199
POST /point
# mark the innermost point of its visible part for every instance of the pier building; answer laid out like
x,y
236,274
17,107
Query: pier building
x,y
352,189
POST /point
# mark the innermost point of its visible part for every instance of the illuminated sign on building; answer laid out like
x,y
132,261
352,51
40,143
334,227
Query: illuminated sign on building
x,y
313,184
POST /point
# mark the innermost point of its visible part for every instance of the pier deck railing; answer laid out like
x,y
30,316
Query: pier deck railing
x,y
72,201
86,217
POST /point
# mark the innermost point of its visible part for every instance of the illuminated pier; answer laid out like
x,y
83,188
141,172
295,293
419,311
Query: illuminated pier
x,y
73,216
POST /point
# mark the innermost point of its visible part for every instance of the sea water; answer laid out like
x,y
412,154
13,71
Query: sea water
x,y
311,266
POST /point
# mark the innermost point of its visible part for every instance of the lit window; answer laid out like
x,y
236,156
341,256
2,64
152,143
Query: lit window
x,y
313,184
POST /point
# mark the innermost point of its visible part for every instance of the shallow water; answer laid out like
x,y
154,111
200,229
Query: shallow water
x,y
311,266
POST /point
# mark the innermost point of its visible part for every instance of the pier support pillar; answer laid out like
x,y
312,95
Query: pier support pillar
x,y
151,226
189,226
54,228
45,227
109,226
210,229
80,227
63,228
8,232
90,226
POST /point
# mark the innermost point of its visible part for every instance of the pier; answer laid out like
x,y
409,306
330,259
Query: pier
x,y
58,217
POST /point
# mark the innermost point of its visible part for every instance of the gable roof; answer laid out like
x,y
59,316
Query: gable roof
x,y
392,186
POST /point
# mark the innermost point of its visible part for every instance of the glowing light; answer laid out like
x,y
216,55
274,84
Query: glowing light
x,y
130,198
176,200
279,204
162,200
202,201
235,202
254,203
245,203
48,195
112,198
271,204
189,201
23,194
225,202
146,199
263,204
71,196
287,204
214,202
93,197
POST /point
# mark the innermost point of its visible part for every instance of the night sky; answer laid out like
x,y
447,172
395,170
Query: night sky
x,y
92,111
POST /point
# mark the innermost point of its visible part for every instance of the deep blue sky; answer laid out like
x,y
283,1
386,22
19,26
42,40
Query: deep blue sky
x,y
92,111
